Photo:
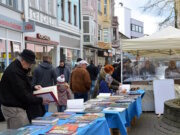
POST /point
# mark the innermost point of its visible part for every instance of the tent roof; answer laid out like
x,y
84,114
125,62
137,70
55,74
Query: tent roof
x,y
168,38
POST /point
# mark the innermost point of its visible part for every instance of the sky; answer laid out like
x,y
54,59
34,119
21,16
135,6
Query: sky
x,y
150,20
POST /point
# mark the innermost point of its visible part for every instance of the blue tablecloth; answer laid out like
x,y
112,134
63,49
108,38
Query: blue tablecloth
x,y
99,127
123,119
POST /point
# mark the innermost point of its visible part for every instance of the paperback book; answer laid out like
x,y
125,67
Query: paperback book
x,y
45,120
63,115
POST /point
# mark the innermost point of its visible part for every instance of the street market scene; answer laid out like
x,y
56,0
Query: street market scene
x,y
89,67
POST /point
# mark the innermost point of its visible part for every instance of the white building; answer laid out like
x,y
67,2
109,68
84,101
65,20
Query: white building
x,y
128,26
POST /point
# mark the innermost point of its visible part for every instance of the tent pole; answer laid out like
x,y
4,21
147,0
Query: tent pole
x,y
121,60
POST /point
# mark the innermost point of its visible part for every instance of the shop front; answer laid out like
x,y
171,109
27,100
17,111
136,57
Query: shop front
x,y
42,45
69,49
10,41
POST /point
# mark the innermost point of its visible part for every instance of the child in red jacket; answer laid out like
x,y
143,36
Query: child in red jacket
x,y
64,93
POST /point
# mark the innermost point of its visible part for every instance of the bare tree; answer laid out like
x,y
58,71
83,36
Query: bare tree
x,y
164,8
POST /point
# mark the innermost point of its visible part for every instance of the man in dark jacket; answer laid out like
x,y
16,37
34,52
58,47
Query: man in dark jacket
x,y
63,70
93,72
16,91
44,75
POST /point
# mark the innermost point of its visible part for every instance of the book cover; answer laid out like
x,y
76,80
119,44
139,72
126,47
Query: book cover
x,y
63,115
48,93
65,129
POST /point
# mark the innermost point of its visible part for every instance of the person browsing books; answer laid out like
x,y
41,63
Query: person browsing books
x,y
64,93
105,84
16,92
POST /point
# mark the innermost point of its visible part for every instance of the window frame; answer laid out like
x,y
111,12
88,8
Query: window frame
x,y
69,12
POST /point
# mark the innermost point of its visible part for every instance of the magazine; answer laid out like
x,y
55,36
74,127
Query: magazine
x,y
65,129
45,120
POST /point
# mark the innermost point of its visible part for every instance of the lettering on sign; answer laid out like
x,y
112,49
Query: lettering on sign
x,y
44,37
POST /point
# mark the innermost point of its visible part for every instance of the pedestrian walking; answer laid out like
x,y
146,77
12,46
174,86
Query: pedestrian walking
x,y
63,70
80,81
44,75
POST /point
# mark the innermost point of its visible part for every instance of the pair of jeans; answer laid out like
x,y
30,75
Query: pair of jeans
x,y
61,108
81,95
46,107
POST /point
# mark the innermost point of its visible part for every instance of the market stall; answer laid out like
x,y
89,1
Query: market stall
x,y
159,58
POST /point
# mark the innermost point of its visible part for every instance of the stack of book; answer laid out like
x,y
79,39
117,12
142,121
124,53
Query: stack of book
x,y
45,120
63,115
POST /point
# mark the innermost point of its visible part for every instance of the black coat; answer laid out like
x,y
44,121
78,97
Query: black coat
x,y
93,71
44,75
15,88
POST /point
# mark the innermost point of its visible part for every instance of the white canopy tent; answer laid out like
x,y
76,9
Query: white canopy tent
x,y
168,38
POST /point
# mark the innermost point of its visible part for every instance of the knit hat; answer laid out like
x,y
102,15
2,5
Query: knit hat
x,y
108,68
28,56
61,78
108,78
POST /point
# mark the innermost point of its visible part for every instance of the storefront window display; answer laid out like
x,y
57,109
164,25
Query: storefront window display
x,y
40,50
70,56
148,70
13,49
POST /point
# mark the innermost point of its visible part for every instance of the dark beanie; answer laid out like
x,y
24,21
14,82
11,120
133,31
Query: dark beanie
x,y
28,56
79,59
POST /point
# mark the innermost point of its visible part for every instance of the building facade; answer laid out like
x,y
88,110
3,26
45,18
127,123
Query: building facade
x,y
130,27
89,13
104,31
57,29
11,31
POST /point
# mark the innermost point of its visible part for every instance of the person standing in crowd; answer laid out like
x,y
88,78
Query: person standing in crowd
x,y
63,70
93,72
108,69
105,84
147,70
16,91
80,81
172,71
44,75
64,93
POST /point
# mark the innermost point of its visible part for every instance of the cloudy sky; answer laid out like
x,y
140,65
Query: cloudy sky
x,y
150,20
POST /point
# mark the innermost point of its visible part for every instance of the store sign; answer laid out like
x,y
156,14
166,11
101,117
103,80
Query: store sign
x,y
11,23
44,37
29,26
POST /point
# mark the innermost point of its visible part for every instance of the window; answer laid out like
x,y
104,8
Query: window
x,y
140,30
51,7
99,33
62,10
75,15
137,28
69,12
114,34
86,24
42,5
99,5
105,7
12,3
32,3
133,27
106,35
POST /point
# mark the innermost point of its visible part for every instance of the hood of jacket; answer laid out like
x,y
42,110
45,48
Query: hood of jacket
x,y
46,65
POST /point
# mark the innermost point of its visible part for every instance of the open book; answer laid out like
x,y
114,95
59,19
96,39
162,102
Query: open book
x,y
48,93
75,105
